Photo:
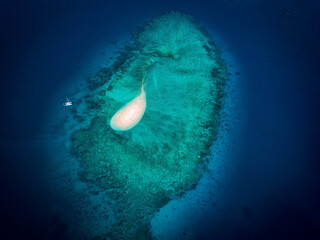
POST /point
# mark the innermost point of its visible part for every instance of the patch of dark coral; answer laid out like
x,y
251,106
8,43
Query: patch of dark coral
x,y
121,63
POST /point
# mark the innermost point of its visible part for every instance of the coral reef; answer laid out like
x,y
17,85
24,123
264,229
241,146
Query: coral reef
x,y
165,154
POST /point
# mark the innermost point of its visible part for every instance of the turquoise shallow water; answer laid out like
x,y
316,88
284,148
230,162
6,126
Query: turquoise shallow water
x,y
80,190
268,179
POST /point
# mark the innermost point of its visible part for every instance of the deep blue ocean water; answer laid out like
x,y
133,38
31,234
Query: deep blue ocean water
x,y
273,190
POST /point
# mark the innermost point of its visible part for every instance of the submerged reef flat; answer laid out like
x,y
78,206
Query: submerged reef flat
x,y
182,73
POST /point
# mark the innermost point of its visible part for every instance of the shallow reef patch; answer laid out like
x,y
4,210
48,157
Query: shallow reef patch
x,y
164,155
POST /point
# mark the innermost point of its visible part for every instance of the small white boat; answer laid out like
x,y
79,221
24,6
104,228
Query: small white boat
x,y
67,103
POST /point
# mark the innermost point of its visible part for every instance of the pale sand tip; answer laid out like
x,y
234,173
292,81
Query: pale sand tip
x,y
130,114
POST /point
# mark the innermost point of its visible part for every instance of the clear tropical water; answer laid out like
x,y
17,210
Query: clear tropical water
x,y
263,182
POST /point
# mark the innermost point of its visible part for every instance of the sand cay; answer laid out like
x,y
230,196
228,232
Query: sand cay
x,y
163,154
